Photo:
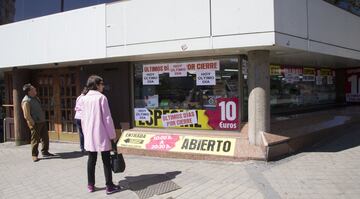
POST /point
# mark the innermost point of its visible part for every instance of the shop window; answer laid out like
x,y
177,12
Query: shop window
x,y
296,88
196,94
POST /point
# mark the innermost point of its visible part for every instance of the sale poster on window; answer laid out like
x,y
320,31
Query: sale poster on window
x,y
178,70
352,85
224,116
205,78
150,78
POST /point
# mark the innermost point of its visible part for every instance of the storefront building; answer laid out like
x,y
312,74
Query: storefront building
x,y
199,82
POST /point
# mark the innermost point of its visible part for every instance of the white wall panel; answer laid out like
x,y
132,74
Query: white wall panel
x,y
144,21
242,16
291,17
332,25
68,36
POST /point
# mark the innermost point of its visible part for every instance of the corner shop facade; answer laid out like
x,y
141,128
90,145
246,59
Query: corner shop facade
x,y
217,67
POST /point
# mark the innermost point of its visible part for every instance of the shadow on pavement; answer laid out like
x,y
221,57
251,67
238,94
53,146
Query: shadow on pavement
x,y
349,139
67,155
141,182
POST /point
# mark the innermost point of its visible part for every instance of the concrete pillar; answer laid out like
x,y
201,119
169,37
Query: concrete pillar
x,y
22,134
259,95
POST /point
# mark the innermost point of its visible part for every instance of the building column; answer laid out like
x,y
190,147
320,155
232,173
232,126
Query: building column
x,y
259,95
22,135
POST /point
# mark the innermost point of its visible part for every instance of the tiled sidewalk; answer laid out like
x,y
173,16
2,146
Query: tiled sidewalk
x,y
329,171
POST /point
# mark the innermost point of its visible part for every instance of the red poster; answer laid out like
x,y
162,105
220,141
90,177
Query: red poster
x,y
352,85
226,114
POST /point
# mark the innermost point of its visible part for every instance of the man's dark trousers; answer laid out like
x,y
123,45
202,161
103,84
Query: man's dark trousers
x,y
39,134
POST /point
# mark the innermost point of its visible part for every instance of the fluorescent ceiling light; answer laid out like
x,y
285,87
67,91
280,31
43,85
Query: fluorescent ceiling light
x,y
231,70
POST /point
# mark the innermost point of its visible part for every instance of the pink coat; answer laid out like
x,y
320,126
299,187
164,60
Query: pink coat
x,y
96,121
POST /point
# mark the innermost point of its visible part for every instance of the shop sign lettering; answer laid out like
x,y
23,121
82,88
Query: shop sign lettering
x,y
204,66
204,78
150,78
156,68
178,119
206,145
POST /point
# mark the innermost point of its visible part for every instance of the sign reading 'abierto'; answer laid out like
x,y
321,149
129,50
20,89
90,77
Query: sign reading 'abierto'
x,y
178,143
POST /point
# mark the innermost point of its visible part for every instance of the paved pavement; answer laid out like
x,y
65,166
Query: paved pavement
x,y
330,170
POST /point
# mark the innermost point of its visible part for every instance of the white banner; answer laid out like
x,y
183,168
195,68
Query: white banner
x,y
178,70
150,78
205,78
142,114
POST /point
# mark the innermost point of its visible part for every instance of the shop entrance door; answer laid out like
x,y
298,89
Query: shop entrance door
x,y
57,90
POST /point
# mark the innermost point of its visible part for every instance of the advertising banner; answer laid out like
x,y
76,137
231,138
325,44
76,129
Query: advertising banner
x,y
178,143
352,85
224,116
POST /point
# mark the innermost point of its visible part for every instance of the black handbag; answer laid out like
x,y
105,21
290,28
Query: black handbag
x,y
117,161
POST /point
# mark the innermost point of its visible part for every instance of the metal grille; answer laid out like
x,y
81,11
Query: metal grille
x,y
154,185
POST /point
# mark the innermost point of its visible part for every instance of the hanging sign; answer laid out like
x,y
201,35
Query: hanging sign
x,y
150,78
275,70
205,78
309,74
352,85
292,74
178,70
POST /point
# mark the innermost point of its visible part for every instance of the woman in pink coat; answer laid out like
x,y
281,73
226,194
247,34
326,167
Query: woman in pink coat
x,y
99,131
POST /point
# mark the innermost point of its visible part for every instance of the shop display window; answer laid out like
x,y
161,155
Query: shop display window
x,y
295,88
199,94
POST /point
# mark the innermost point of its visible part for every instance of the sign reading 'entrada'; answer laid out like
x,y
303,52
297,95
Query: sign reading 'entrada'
x,y
178,143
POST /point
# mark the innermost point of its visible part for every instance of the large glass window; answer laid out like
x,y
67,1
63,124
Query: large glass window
x,y
294,88
195,94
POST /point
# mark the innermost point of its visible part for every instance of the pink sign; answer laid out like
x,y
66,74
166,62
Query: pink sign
x,y
162,142
226,114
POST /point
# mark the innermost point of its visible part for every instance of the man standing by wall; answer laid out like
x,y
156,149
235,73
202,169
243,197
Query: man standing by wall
x,y
35,118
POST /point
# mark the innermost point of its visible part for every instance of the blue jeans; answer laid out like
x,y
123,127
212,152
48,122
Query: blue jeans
x,y
81,135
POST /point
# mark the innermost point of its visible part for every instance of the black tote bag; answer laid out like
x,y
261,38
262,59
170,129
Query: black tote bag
x,y
117,161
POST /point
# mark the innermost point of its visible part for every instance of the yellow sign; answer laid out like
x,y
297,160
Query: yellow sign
x,y
275,70
325,72
309,71
178,143
156,121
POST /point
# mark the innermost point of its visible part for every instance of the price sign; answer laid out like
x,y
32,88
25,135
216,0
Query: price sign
x,y
226,115
352,85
